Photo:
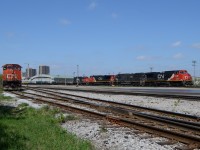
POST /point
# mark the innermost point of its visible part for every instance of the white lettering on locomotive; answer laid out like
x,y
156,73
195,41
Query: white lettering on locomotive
x,y
11,76
161,76
100,78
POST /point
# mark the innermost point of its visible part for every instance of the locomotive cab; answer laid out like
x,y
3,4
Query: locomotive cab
x,y
185,77
12,77
182,77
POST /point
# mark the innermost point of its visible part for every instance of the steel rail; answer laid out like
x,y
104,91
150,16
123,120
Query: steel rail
x,y
120,111
193,141
139,93
189,117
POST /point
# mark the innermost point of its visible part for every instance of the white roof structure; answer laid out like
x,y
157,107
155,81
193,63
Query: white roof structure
x,y
41,78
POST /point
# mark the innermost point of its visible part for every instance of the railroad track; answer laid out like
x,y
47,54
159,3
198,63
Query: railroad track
x,y
181,128
194,120
117,92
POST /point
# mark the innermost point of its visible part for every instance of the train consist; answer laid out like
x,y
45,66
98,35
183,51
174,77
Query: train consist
x,y
165,78
12,77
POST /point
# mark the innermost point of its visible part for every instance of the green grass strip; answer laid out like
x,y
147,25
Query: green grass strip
x,y
25,128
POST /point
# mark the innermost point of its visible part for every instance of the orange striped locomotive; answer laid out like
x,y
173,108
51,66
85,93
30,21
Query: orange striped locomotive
x,y
12,77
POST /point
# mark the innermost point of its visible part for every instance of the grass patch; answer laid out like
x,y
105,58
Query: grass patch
x,y
32,129
4,98
70,117
103,129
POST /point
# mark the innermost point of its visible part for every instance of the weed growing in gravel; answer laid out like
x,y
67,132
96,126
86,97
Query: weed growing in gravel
x,y
62,118
70,117
176,102
4,98
103,129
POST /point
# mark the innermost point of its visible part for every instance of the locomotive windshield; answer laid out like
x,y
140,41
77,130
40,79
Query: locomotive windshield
x,y
14,67
9,67
183,72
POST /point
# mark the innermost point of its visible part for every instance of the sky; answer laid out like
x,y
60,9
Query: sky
x,y
101,36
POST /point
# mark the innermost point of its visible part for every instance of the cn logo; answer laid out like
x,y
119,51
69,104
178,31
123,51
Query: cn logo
x,y
100,78
161,76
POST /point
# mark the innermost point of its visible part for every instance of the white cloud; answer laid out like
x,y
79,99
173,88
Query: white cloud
x,y
65,22
114,15
141,57
178,56
196,45
92,5
176,44
144,58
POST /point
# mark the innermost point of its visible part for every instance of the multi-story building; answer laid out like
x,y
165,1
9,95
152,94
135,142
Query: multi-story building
x,y
30,72
44,70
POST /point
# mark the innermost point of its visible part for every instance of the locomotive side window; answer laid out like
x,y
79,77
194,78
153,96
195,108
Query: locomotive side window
x,y
4,68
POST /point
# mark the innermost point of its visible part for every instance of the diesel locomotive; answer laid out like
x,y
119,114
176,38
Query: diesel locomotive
x,y
12,77
165,78
95,80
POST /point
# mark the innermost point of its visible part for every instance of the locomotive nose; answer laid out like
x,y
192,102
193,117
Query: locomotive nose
x,y
188,77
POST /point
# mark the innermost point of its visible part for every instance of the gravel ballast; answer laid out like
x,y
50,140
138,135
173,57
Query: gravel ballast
x,y
170,104
106,137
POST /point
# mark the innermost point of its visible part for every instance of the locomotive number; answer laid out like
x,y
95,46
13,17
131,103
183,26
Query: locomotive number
x,y
161,76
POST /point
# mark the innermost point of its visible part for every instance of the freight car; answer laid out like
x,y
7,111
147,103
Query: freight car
x,y
166,78
12,76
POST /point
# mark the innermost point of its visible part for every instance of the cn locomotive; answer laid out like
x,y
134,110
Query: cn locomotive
x,y
95,80
165,78
12,77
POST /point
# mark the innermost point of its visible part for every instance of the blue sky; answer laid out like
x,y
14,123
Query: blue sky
x,y
101,36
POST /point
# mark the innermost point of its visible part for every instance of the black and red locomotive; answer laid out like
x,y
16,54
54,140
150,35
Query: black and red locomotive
x,y
165,78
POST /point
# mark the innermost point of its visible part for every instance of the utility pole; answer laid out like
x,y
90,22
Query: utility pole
x,y
27,75
77,79
28,71
65,79
74,74
151,68
194,65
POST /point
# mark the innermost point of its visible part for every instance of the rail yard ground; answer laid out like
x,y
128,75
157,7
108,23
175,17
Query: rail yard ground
x,y
104,136
23,127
